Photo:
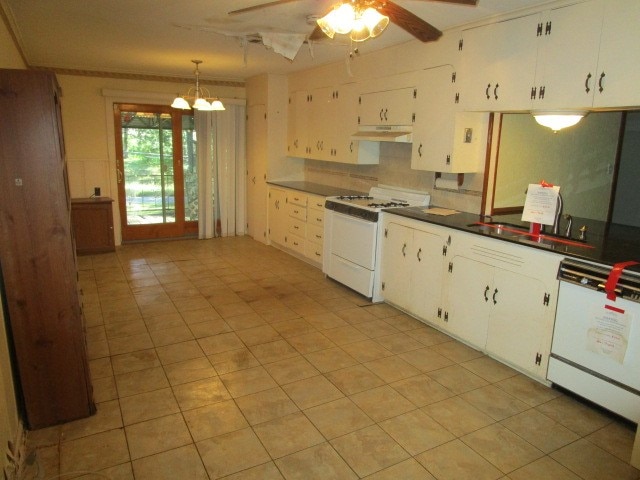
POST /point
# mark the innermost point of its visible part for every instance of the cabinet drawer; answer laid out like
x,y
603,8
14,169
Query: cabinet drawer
x,y
313,251
296,211
296,243
315,218
297,227
315,234
316,203
297,198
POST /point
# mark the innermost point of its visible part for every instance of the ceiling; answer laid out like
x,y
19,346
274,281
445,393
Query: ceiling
x,y
160,38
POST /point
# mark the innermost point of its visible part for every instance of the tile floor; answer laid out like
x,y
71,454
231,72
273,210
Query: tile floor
x,y
227,358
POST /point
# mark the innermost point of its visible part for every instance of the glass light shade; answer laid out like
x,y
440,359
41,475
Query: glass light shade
x,y
360,31
217,105
342,18
325,26
558,120
375,21
180,103
202,104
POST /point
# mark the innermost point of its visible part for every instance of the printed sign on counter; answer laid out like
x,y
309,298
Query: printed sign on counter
x,y
541,203
608,334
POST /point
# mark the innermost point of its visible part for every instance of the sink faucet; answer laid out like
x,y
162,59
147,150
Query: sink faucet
x,y
569,219
556,222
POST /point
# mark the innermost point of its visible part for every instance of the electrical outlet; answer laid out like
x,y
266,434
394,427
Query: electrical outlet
x,y
96,191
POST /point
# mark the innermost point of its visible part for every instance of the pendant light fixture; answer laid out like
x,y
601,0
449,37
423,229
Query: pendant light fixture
x,y
355,18
202,100
558,120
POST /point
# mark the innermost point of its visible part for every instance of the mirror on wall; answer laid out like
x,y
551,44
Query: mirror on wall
x,y
581,159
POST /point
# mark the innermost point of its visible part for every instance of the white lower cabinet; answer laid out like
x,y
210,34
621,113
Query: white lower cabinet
x,y
495,296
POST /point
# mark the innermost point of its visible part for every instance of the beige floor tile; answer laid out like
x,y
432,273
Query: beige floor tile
x,y
540,431
457,379
273,351
544,468
502,448
157,435
183,462
392,369
171,335
416,431
322,320
131,362
151,310
101,368
231,453
250,380
369,450
574,415
266,471
199,393
458,416
366,350
399,342
125,329
527,390
279,315
245,321
233,360
307,307
354,379
266,405
456,461
345,334
381,403
421,390
495,402
425,359
489,369
146,406
209,328
312,391
291,370
407,470
292,327
289,434
95,452
331,359
338,417
189,371
310,342
107,417
231,309
212,420
376,328
258,335
321,462
141,381
179,352
131,343
428,336
404,322
591,462
163,321
382,310
356,315
457,351
104,389
616,438
200,315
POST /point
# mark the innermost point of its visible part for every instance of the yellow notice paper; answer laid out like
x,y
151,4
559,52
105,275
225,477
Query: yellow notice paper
x,y
439,211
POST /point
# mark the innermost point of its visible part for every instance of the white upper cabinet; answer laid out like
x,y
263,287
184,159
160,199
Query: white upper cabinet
x,y
297,124
389,107
498,65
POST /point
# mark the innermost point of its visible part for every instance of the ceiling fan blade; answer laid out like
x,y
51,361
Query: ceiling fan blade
x,y
459,2
260,6
409,22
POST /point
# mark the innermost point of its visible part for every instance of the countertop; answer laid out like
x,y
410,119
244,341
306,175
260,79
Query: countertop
x,y
606,244
315,188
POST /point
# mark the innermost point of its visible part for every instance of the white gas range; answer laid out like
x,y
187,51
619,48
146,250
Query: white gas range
x,y
352,236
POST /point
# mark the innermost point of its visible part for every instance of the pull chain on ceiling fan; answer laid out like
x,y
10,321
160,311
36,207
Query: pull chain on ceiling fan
x,y
381,12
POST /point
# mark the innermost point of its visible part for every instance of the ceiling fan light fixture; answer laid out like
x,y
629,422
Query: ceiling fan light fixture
x,y
325,26
558,120
342,18
200,96
375,21
359,31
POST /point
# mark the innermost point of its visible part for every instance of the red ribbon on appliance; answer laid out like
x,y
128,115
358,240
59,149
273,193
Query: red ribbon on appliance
x,y
614,276
545,184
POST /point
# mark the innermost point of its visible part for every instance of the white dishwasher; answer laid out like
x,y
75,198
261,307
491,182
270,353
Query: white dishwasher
x,y
596,341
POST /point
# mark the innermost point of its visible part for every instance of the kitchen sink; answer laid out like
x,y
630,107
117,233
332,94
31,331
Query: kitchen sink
x,y
522,234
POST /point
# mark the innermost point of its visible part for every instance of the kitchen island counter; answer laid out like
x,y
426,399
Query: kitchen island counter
x,y
605,244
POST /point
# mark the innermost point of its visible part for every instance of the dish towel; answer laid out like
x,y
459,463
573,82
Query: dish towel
x,y
286,44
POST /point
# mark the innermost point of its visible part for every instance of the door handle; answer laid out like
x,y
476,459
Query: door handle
x,y
418,255
404,248
600,86
587,89
486,92
119,173
486,290
495,292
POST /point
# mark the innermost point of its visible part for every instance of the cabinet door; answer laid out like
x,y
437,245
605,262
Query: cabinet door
x,y
278,215
396,265
426,274
499,65
518,320
469,300
566,75
256,172
298,124
320,123
391,107
619,60
435,120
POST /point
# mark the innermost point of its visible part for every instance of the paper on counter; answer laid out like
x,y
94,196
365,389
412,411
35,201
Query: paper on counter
x,y
439,211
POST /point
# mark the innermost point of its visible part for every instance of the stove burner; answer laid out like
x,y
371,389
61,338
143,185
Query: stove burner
x,y
355,197
388,204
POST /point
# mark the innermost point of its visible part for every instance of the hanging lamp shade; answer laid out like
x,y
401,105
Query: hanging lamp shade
x,y
558,120
201,98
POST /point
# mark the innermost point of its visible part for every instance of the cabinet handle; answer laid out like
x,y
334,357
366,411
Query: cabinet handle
x,y
381,110
420,151
600,86
418,255
486,92
587,89
253,180
533,93
486,290
351,147
404,248
495,292
385,114
495,91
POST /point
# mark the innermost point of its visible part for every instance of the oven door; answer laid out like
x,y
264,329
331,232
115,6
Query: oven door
x,y
350,251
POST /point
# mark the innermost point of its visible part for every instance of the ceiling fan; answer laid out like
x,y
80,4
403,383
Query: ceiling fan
x,y
398,15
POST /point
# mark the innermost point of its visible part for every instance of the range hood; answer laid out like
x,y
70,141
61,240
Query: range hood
x,y
384,133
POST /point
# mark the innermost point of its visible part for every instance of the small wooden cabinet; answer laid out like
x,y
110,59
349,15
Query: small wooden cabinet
x,y
92,221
